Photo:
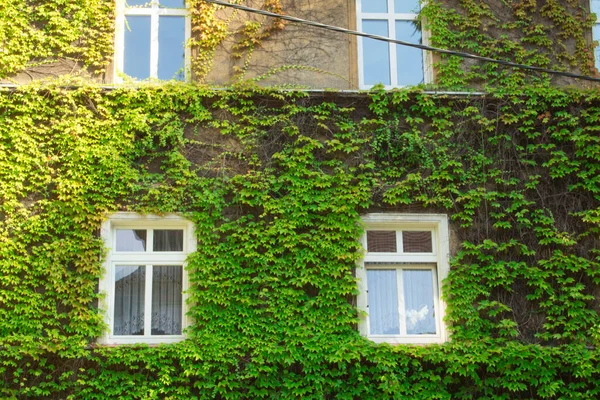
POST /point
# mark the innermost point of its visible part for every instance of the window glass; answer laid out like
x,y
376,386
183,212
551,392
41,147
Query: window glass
x,y
595,7
406,6
171,3
171,45
131,240
418,301
167,281
381,241
136,62
596,35
409,59
138,3
130,289
376,54
383,302
416,241
374,6
168,240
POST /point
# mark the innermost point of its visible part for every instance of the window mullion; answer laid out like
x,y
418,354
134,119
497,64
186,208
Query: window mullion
x,y
154,42
399,242
401,306
148,301
393,46
150,244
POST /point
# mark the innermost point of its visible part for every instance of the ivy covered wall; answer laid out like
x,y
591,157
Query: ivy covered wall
x,y
46,39
275,183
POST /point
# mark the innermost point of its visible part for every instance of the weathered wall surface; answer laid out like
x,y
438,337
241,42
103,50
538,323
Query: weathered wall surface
x,y
297,54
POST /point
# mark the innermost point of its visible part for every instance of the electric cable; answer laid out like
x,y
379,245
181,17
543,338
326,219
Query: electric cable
x,y
401,42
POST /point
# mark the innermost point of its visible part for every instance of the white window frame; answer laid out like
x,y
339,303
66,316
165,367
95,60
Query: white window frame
x,y
154,12
131,220
437,260
391,18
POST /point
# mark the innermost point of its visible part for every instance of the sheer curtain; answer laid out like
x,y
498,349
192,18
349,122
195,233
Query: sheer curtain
x,y
168,240
383,302
166,299
130,289
418,300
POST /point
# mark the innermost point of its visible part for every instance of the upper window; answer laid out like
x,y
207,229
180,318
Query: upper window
x,y
391,64
400,278
595,8
151,36
145,277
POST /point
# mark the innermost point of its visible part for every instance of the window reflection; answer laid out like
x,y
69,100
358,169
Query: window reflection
x,y
131,240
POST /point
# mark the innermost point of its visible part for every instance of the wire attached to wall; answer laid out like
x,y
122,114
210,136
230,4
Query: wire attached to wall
x,y
401,42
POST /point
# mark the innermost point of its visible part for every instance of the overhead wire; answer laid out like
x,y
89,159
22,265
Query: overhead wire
x,y
401,42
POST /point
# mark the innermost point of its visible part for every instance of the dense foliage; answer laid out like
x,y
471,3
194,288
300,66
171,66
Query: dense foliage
x,y
34,33
551,34
275,184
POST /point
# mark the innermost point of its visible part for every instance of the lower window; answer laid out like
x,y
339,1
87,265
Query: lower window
x,y
400,277
137,297
145,278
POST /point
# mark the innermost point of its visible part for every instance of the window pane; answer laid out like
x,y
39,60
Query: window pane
x,y
596,36
406,6
416,242
131,240
137,47
418,300
138,3
409,59
381,241
373,6
167,284
171,48
595,7
376,54
383,302
130,287
168,240
172,3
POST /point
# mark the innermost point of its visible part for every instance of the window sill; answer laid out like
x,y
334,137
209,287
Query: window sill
x,y
151,341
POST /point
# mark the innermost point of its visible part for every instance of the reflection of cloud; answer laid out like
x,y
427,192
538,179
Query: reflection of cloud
x,y
414,316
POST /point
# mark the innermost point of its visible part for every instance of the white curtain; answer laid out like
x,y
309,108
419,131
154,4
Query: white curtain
x,y
383,302
418,300
168,240
131,240
130,285
166,299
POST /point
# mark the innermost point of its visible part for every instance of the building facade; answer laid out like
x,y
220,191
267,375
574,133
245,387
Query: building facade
x,y
181,218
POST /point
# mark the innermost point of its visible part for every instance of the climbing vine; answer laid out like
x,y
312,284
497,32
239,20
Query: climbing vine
x,y
275,184
36,33
552,34
212,25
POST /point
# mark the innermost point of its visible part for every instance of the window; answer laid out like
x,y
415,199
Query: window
x,y
145,278
595,8
150,39
400,277
391,64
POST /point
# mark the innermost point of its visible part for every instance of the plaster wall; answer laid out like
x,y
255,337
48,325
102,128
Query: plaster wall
x,y
298,55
